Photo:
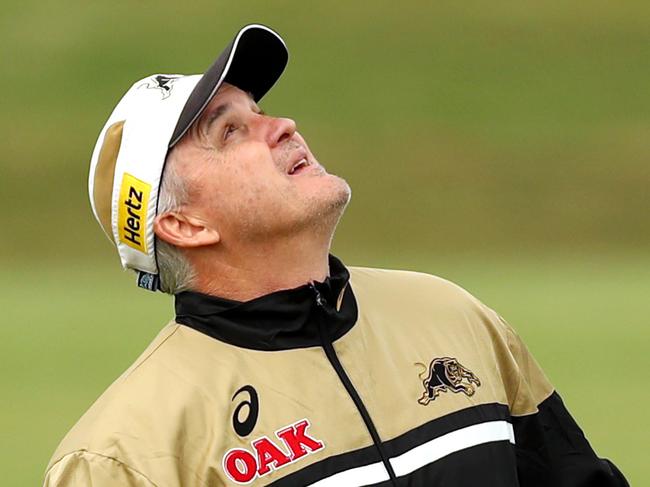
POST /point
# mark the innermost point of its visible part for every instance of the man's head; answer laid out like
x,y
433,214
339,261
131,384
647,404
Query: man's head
x,y
249,182
238,183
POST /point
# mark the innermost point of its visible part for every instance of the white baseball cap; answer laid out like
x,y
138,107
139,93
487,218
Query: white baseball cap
x,y
129,157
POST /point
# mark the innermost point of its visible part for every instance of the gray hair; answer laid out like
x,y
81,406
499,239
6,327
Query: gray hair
x,y
174,269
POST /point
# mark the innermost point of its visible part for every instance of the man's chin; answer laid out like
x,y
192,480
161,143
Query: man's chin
x,y
337,198
345,192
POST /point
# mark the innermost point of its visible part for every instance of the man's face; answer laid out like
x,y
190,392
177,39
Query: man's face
x,y
252,176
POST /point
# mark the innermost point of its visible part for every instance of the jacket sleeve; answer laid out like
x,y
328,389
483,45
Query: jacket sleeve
x,y
87,469
551,448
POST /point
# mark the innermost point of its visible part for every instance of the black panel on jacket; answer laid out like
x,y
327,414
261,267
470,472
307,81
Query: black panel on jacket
x,y
486,465
552,451
277,321
450,470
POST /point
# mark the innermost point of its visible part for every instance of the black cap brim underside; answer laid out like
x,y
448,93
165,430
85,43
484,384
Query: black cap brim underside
x,y
253,62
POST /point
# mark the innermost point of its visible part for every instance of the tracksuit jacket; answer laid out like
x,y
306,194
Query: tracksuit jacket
x,y
372,377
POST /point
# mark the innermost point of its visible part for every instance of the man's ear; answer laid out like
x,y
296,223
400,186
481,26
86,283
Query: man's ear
x,y
184,231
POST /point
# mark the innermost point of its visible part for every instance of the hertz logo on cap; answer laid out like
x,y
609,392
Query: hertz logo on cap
x,y
132,213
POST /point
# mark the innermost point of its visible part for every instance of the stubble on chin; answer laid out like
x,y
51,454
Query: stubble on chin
x,y
327,212
343,195
318,214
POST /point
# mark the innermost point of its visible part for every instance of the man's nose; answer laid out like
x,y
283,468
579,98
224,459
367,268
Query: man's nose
x,y
280,130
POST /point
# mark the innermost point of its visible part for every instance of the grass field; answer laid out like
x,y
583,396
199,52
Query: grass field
x,y
70,329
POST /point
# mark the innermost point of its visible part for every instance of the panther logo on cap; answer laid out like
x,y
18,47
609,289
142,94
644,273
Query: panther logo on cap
x,y
446,374
161,82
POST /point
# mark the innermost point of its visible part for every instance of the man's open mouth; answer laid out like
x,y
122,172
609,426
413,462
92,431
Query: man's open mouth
x,y
298,166
299,162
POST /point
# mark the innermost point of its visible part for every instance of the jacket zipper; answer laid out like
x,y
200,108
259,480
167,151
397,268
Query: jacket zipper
x,y
328,347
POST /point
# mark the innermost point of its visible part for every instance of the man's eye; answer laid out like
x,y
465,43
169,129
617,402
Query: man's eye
x,y
228,131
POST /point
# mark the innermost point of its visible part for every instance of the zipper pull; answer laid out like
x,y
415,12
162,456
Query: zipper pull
x,y
319,298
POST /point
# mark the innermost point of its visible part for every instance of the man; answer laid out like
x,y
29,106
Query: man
x,y
282,367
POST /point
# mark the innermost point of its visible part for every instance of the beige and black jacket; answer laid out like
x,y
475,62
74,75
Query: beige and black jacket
x,y
373,377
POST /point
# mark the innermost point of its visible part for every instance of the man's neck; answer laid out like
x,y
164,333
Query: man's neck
x,y
243,274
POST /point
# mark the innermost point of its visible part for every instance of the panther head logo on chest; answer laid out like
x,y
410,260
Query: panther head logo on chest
x,y
446,374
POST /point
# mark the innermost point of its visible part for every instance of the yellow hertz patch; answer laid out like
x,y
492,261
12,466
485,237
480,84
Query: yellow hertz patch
x,y
132,212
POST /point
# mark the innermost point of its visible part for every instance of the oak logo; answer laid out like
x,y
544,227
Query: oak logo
x,y
242,465
132,212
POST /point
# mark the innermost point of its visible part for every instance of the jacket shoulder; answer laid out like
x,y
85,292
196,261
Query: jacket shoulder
x,y
88,468
100,426
426,300
410,285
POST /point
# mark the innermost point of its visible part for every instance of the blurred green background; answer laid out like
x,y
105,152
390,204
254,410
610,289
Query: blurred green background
x,y
504,146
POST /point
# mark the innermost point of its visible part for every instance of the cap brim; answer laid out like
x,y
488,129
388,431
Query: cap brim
x,y
253,62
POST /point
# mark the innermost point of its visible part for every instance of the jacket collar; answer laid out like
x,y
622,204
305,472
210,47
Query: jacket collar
x,y
281,320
